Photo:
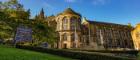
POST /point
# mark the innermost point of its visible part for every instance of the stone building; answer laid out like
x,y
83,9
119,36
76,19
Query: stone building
x,y
75,32
69,28
136,37
103,35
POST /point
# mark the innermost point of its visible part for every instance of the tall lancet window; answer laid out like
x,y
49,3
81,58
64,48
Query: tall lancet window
x,y
65,23
79,24
73,23
73,40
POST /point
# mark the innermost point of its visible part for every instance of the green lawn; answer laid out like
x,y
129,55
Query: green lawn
x,y
9,53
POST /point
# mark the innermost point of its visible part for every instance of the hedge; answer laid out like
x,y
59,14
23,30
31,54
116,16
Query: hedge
x,y
125,53
74,54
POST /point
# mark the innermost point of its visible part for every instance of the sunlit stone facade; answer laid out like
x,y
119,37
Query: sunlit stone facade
x,y
101,35
75,32
136,37
68,26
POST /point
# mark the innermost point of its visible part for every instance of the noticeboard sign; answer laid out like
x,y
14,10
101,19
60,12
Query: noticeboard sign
x,y
23,34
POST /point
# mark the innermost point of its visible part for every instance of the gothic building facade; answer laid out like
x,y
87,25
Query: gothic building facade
x,y
68,26
75,32
102,35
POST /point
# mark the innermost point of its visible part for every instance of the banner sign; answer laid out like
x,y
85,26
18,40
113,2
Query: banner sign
x,y
23,34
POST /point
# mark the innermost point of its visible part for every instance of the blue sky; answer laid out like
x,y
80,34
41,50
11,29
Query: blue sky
x,y
114,11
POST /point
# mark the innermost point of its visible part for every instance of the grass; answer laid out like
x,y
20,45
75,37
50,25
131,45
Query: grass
x,y
9,53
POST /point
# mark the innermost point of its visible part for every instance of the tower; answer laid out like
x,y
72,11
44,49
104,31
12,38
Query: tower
x,y
69,29
136,36
41,15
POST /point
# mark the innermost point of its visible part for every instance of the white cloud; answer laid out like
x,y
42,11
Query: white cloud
x,y
70,1
99,2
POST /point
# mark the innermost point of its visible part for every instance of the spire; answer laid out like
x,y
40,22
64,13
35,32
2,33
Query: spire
x,y
41,15
69,10
42,11
84,20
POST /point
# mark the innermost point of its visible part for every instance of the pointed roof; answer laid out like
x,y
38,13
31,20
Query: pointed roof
x,y
41,14
69,11
91,22
84,21
42,11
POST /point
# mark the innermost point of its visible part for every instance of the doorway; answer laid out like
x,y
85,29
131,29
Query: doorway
x,y
65,46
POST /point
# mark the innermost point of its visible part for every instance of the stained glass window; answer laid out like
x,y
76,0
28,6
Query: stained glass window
x,y
73,22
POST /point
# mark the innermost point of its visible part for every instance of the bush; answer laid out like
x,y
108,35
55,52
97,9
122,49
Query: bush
x,y
1,41
74,54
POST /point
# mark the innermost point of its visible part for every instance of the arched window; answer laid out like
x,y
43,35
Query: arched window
x,y
65,23
65,20
65,37
79,24
73,23
73,20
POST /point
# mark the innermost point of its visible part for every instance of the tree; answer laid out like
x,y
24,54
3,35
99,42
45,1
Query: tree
x,y
28,13
11,15
12,5
43,33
